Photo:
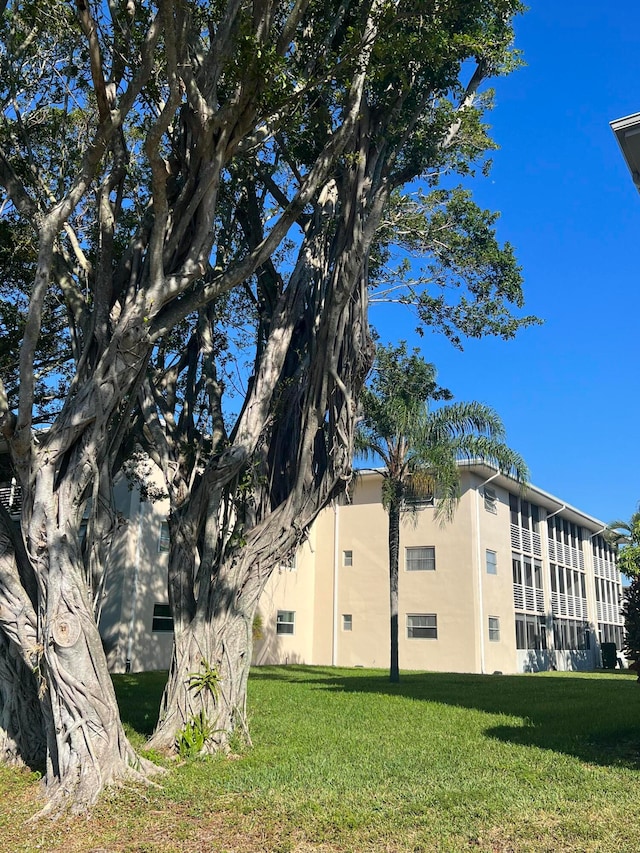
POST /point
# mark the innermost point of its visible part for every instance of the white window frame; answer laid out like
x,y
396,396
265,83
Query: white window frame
x,y
286,619
347,558
291,566
164,538
425,563
429,628
490,499
491,563
347,622
494,629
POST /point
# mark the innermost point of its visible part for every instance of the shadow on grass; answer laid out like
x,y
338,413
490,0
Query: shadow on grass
x,y
594,717
139,696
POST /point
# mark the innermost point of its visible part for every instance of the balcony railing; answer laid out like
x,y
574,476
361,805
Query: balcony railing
x,y
11,498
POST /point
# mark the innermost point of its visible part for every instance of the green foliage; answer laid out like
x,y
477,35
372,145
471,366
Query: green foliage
x,y
192,738
455,275
206,679
257,628
631,613
626,535
420,445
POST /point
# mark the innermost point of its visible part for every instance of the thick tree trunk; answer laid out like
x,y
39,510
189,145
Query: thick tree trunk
x,y
56,687
23,739
23,708
204,703
87,747
394,549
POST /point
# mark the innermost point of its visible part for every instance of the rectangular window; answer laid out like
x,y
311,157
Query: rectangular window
x,y
347,622
347,558
513,509
516,566
535,518
420,559
422,626
494,629
490,500
285,621
492,562
164,540
162,618
528,573
531,632
537,573
289,564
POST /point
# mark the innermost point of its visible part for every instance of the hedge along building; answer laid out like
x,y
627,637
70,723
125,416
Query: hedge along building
x,y
512,584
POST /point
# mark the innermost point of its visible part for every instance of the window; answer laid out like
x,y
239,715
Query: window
x,y
490,500
531,632
285,621
516,565
569,634
422,626
162,618
417,498
347,622
513,509
164,540
420,559
492,562
347,558
494,629
289,564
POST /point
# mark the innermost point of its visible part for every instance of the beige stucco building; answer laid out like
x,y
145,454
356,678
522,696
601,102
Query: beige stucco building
x,y
515,583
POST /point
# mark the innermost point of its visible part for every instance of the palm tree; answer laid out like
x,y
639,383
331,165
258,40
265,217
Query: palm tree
x,y
420,448
626,535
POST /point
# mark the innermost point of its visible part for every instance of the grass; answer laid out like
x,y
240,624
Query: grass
x,y
344,761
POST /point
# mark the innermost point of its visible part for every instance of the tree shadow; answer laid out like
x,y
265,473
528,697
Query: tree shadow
x,y
595,719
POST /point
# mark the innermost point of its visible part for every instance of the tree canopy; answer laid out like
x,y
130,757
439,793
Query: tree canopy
x,y
182,185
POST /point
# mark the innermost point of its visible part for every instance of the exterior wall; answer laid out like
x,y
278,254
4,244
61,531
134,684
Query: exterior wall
x,y
490,532
291,588
476,608
136,582
340,604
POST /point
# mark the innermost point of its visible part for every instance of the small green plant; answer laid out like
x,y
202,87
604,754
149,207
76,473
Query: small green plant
x,y
207,679
192,738
257,628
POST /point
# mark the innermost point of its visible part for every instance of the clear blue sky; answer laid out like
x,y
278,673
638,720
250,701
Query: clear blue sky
x,y
567,391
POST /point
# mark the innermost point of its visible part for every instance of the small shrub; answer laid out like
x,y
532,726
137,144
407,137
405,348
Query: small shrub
x,y
192,738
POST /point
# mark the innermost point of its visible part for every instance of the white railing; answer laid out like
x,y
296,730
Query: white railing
x,y
11,498
609,613
568,605
606,569
566,555
525,541
528,598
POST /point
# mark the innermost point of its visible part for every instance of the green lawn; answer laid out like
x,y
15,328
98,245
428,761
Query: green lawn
x,y
344,761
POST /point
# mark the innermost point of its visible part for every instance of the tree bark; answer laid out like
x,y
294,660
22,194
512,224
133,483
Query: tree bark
x,y
86,744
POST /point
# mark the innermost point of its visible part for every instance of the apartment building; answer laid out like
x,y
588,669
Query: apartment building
x,y
515,583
